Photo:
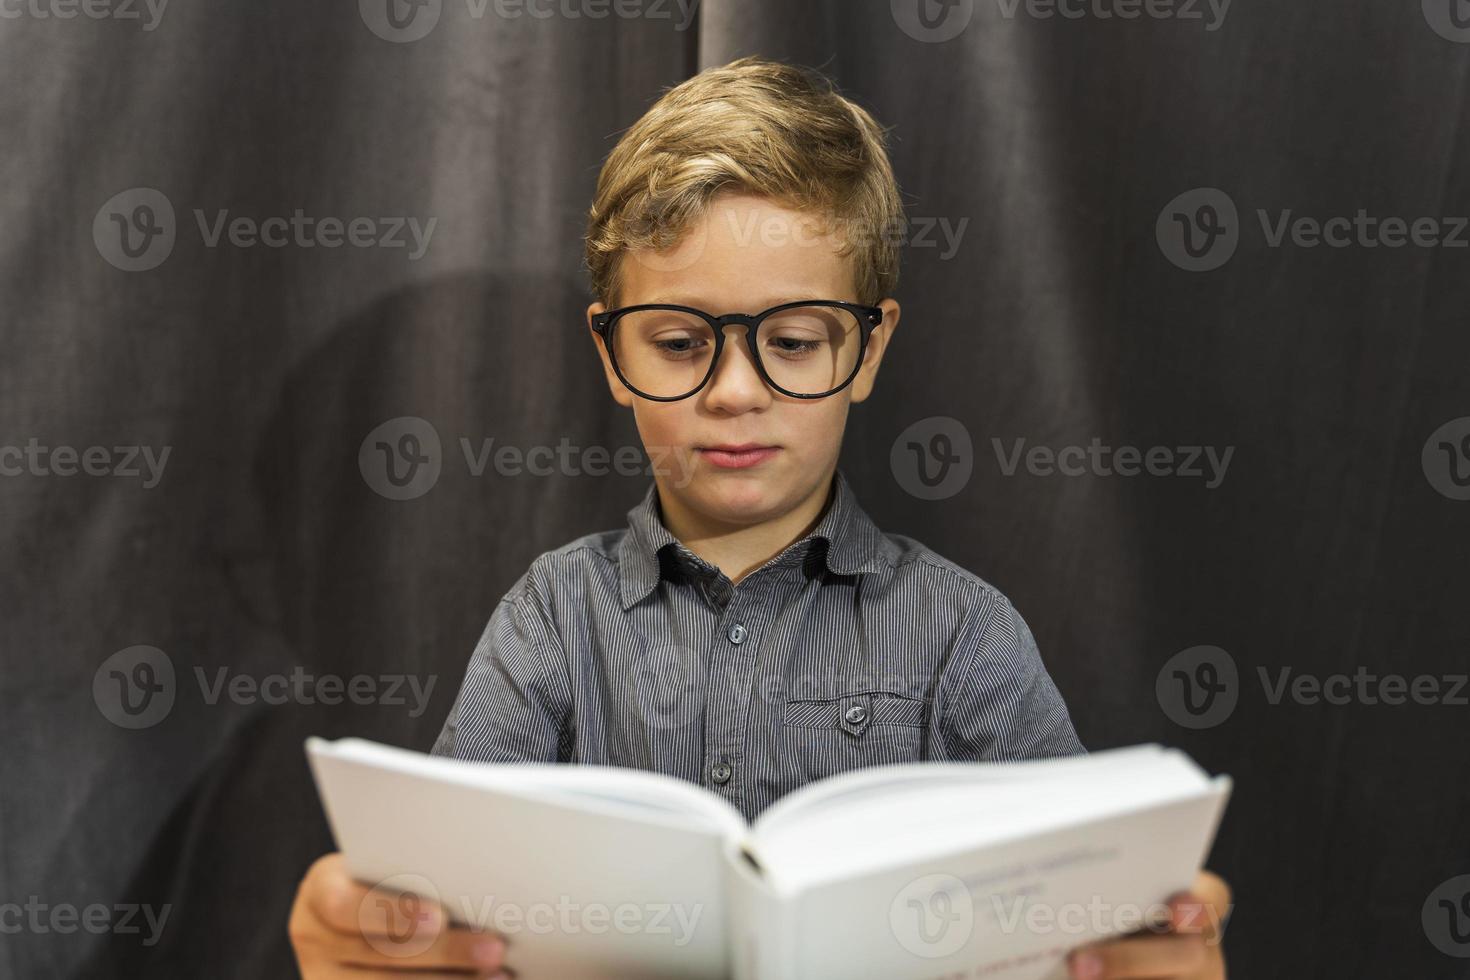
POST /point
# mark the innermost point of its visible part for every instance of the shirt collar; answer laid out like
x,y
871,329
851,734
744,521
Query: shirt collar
x,y
853,543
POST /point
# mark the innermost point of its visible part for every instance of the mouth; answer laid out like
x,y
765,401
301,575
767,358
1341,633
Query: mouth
x,y
732,456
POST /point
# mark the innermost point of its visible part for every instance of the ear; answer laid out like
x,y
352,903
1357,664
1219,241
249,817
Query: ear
x,y
878,340
619,391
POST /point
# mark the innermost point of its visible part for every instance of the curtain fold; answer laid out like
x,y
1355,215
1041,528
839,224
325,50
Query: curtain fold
x,y
244,247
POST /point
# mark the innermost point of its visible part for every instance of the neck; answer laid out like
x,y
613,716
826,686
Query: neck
x,y
739,549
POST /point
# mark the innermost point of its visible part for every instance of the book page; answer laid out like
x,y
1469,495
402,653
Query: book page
x,y
1009,910
879,821
581,881
848,788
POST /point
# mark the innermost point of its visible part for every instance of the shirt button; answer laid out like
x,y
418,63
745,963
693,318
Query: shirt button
x,y
856,714
720,773
737,634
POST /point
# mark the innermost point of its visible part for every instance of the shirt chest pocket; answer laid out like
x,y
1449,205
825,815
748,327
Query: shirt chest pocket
x,y
826,736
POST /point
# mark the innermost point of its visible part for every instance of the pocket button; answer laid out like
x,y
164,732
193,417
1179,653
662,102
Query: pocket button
x,y
856,715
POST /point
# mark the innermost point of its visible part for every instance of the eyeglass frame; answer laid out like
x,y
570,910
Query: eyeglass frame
x,y
868,317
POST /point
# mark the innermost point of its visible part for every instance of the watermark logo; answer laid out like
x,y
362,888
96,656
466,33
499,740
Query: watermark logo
x,y
396,915
672,241
933,21
933,458
1446,917
1199,230
137,688
933,916
1450,19
1198,687
1446,459
402,458
403,21
135,230
665,687
400,915
400,21
808,231
134,688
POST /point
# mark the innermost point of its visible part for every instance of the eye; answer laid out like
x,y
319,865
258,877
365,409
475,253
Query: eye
x,y
795,345
679,345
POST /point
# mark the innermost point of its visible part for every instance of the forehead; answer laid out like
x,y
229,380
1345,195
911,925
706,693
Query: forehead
x,y
744,253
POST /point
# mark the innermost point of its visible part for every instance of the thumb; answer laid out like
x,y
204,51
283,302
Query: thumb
x,y
1204,909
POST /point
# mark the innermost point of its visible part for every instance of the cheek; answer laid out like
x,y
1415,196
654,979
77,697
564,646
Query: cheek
x,y
660,424
822,419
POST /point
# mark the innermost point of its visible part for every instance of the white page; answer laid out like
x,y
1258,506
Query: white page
x,y
1011,910
643,889
882,781
872,819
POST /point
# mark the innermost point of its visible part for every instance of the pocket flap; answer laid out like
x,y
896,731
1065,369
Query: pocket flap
x,y
856,711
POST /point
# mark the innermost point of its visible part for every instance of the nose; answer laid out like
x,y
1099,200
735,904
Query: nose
x,y
737,384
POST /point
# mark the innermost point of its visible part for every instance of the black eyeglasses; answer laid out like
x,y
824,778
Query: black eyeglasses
x,y
805,349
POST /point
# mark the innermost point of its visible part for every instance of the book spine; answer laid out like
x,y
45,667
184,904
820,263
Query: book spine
x,y
759,937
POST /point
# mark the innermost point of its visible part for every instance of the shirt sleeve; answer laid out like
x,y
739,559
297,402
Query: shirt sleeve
x,y
1000,705
514,704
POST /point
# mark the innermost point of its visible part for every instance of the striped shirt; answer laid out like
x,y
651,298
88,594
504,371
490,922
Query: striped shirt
x,y
850,648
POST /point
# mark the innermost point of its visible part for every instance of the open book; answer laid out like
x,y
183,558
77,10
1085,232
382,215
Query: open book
x,y
921,870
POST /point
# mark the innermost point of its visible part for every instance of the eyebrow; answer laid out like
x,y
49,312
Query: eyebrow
x,y
687,301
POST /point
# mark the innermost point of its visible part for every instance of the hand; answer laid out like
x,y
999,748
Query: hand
x,y
342,928
1190,949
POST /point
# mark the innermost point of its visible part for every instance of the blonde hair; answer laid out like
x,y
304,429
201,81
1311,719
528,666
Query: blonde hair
x,y
775,130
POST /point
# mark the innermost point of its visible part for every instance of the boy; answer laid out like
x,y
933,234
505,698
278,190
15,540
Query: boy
x,y
751,630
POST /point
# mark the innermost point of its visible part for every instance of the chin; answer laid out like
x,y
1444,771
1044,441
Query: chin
x,y
738,496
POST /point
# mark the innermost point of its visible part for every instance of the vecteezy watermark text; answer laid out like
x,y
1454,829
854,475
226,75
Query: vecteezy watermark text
x,y
124,919
149,13
395,912
35,459
1200,687
135,230
1211,13
403,458
937,21
403,21
1096,459
1200,230
136,688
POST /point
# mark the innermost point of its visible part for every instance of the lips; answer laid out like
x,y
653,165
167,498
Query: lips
x,y
738,456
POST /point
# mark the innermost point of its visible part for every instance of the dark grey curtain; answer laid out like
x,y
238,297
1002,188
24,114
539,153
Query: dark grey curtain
x,y
1063,307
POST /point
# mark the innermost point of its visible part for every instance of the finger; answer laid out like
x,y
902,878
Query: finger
x,y
349,906
358,973
340,921
454,949
1203,909
1139,958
